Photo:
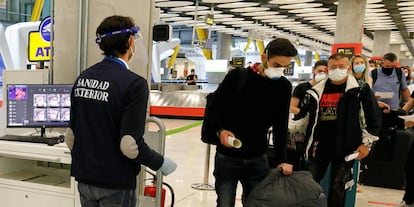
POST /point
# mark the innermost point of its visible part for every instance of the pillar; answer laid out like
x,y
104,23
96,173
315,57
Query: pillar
x,y
403,55
350,14
223,52
381,43
223,46
396,49
308,58
68,18
406,61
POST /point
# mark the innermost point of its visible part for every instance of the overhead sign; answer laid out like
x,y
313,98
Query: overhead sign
x,y
3,4
39,42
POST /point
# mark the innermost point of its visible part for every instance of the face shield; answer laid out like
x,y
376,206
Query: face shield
x,y
139,52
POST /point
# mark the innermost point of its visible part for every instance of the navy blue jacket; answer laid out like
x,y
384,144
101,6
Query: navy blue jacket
x,y
107,102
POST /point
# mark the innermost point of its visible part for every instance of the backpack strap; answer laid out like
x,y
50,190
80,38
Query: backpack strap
x,y
374,75
399,75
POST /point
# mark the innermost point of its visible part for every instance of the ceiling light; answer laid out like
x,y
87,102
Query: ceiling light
x,y
409,8
166,15
229,19
308,10
219,1
289,1
204,12
315,14
250,9
408,3
375,10
260,13
189,8
321,17
174,19
237,5
173,3
301,6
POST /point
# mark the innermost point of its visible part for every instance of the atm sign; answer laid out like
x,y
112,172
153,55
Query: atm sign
x,y
39,49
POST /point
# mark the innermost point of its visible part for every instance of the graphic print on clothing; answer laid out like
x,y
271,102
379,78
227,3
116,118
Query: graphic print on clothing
x,y
92,89
328,104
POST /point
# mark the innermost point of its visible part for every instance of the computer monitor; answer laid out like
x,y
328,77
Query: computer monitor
x,y
38,105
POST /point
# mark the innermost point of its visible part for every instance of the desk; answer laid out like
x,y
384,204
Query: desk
x,y
34,174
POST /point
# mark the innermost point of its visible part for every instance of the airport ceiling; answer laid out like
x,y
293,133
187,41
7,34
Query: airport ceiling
x,y
311,22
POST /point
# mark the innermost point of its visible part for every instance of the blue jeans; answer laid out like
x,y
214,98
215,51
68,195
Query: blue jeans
x,y
229,170
92,196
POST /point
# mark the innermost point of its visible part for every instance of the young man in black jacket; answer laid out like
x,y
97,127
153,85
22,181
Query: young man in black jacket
x,y
336,125
263,102
108,113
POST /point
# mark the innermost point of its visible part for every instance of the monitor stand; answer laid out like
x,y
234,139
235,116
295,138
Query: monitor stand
x,y
43,132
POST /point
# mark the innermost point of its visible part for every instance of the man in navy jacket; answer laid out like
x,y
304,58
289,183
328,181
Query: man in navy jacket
x,y
108,113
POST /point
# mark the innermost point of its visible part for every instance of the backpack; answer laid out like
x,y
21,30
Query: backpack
x,y
208,134
374,75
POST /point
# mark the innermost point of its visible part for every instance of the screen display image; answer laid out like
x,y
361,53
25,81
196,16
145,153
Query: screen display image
x,y
38,105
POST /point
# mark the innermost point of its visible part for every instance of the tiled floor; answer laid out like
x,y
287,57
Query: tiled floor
x,y
189,152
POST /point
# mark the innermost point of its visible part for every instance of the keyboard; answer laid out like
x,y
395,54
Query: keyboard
x,y
34,139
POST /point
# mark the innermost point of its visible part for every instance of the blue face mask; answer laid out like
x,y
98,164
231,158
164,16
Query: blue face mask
x,y
359,68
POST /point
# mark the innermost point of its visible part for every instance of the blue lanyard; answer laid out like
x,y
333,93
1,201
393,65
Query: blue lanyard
x,y
114,59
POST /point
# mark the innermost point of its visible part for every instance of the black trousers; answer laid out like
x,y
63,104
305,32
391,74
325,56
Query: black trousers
x,y
340,174
409,175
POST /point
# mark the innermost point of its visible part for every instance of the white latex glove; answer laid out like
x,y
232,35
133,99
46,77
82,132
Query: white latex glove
x,y
69,138
129,147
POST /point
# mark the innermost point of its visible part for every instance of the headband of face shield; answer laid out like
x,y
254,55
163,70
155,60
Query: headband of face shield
x,y
132,30
139,52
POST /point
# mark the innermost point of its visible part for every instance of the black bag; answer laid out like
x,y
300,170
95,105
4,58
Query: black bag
x,y
276,189
208,134
385,162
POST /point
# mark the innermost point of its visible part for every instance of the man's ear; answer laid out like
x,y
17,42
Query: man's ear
x,y
131,41
264,58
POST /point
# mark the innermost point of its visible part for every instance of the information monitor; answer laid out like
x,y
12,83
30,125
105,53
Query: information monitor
x,y
38,105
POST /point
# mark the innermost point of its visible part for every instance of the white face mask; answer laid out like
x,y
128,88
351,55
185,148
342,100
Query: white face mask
x,y
274,73
320,76
337,74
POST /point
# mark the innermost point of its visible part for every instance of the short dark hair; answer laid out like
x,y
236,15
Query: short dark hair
x,y
338,56
115,45
320,62
280,47
389,56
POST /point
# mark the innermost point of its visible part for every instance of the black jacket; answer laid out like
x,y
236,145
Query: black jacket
x,y
352,123
261,104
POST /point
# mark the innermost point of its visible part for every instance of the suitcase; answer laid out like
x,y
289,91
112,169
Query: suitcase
x,y
350,194
386,161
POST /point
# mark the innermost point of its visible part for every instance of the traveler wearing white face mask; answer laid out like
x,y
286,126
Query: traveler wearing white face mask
x,y
336,125
296,140
320,70
262,102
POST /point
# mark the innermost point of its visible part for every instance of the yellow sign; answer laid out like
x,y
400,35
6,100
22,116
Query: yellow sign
x,y
39,50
